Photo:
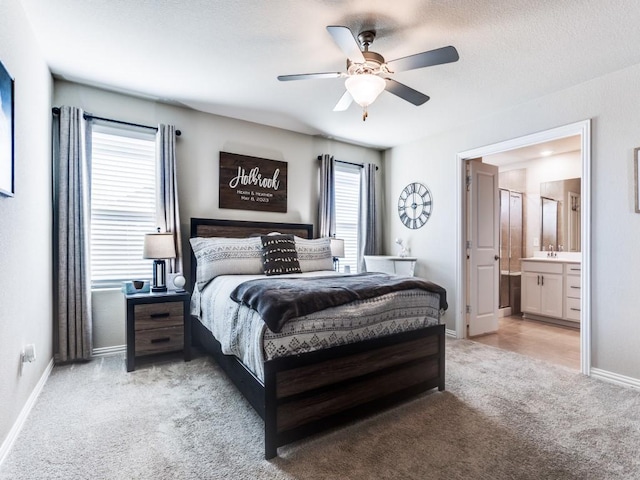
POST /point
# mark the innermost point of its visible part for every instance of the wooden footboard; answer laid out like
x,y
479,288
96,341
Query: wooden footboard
x,y
305,394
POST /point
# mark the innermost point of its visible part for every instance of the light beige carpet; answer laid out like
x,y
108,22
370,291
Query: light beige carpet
x,y
503,416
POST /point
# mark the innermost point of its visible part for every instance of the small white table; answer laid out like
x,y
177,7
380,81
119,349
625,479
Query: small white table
x,y
390,264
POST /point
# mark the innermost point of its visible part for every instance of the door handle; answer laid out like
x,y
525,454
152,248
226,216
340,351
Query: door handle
x,y
542,280
496,257
538,277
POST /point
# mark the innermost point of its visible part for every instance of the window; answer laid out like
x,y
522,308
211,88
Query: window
x,y
347,188
123,203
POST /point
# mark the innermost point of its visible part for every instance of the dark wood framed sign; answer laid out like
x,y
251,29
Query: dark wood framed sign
x,y
251,183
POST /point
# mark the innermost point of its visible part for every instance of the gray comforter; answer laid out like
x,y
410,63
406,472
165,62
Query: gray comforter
x,y
280,299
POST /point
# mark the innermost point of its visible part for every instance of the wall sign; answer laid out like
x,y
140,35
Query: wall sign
x,y
251,183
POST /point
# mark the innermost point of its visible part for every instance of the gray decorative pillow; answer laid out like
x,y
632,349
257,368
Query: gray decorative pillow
x,y
226,256
314,254
279,255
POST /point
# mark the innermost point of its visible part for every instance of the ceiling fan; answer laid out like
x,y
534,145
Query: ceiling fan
x,y
368,73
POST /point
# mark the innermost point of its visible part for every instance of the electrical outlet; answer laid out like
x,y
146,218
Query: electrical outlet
x,y
29,353
536,242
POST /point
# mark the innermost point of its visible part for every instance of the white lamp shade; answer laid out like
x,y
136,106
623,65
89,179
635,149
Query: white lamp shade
x,y
365,88
337,247
159,245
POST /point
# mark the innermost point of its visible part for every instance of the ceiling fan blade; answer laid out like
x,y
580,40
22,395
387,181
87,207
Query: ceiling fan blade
x,y
347,43
425,59
308,76
343,103
406,93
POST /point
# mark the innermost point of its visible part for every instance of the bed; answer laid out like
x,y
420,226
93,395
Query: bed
x,y
301,392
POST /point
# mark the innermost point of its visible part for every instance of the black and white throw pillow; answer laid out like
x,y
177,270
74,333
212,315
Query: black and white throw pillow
x,y
279,255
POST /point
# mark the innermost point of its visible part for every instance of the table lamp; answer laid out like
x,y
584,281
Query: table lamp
x,y
159,246
337,251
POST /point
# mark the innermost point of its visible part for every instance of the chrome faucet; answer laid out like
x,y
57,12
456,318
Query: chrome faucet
x,y
551,253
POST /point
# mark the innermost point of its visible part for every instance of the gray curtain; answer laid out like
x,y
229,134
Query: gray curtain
x,y
168,211
368,228
327,205
72,217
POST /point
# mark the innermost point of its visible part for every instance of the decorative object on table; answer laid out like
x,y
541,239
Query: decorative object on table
x,y
159,246
337,251
415,205
7,183
179,282
136,286
404,251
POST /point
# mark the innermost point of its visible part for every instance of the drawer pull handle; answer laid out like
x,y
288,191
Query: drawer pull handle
x,y
160,315
574,269
573,286
161,340
575,309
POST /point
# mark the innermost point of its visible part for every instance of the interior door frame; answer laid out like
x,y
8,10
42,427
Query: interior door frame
x,y
583,129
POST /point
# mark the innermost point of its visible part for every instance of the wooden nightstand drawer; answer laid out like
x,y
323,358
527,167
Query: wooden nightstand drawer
x,y
157,340
158,315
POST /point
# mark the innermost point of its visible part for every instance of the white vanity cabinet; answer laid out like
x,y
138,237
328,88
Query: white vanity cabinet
x,y
572,291
542,291
551,289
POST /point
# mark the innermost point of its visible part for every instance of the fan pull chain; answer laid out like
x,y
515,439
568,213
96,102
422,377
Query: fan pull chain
x,y
365,114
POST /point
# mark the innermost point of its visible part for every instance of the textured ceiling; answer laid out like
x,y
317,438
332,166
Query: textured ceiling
x,y
223,56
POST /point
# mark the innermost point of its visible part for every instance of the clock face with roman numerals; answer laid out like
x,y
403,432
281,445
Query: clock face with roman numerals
x,y
414,205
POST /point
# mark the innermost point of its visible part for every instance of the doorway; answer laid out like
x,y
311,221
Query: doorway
x,y
580,129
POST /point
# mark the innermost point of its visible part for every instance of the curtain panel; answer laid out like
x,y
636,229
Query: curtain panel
x,y
167,209
368,229
327,201
72,217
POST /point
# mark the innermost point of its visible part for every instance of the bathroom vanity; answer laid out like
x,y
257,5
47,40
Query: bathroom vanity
x,y
551,288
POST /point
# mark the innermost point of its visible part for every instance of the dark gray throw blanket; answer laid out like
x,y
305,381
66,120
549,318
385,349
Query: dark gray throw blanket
x,y
279,299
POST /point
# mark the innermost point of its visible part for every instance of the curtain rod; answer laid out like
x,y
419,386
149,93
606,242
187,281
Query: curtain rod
x,y
348,163
86,116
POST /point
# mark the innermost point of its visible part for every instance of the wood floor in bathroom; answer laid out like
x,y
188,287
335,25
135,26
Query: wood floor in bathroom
x,y
554,344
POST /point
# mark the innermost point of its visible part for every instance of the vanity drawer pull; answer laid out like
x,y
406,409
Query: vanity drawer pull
x,y
160,315
575,309
573,286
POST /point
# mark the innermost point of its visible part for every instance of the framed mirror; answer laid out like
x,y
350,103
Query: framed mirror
x,y
549,227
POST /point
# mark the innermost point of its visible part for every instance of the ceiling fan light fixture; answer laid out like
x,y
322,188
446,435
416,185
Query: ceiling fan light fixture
x,y
365,88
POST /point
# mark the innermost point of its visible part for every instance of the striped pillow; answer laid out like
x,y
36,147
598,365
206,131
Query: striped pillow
x,y
279,255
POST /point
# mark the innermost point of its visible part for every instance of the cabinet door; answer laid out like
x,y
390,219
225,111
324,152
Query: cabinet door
x,y
531,290
551,298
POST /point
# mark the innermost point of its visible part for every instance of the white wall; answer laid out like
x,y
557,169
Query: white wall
x,y
25,221
203,137
612,104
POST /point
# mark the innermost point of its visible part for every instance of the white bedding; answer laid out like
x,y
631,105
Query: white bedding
x,y
241,331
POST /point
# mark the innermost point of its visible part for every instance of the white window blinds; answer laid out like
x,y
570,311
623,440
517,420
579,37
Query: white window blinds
x,y
123,203
347,188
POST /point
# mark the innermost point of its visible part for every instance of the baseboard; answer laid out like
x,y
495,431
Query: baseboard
x,y
24,413
109,351
450,333
615,378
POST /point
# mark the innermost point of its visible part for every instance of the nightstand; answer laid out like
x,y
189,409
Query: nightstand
x,y
157,323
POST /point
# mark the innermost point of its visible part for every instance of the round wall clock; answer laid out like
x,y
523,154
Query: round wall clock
x,y
414,205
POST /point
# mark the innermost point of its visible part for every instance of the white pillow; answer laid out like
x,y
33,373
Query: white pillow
x,y
226,256
314,254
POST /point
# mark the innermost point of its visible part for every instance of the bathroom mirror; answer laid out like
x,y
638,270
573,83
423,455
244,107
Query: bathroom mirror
x,y
562,199
549,227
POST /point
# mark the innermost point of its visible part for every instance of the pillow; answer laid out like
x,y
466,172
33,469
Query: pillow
x,y
226,256
279,255
314,254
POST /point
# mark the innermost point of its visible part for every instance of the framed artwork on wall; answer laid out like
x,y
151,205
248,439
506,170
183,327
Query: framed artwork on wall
x,y
636,170
7,186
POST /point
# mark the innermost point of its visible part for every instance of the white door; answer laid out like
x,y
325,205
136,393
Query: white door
x,y
483,207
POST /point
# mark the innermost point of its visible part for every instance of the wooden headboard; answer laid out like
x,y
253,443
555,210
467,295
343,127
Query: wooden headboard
x,y
207,227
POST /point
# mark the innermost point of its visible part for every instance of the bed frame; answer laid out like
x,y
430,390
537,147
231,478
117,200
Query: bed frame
x,y
307,393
